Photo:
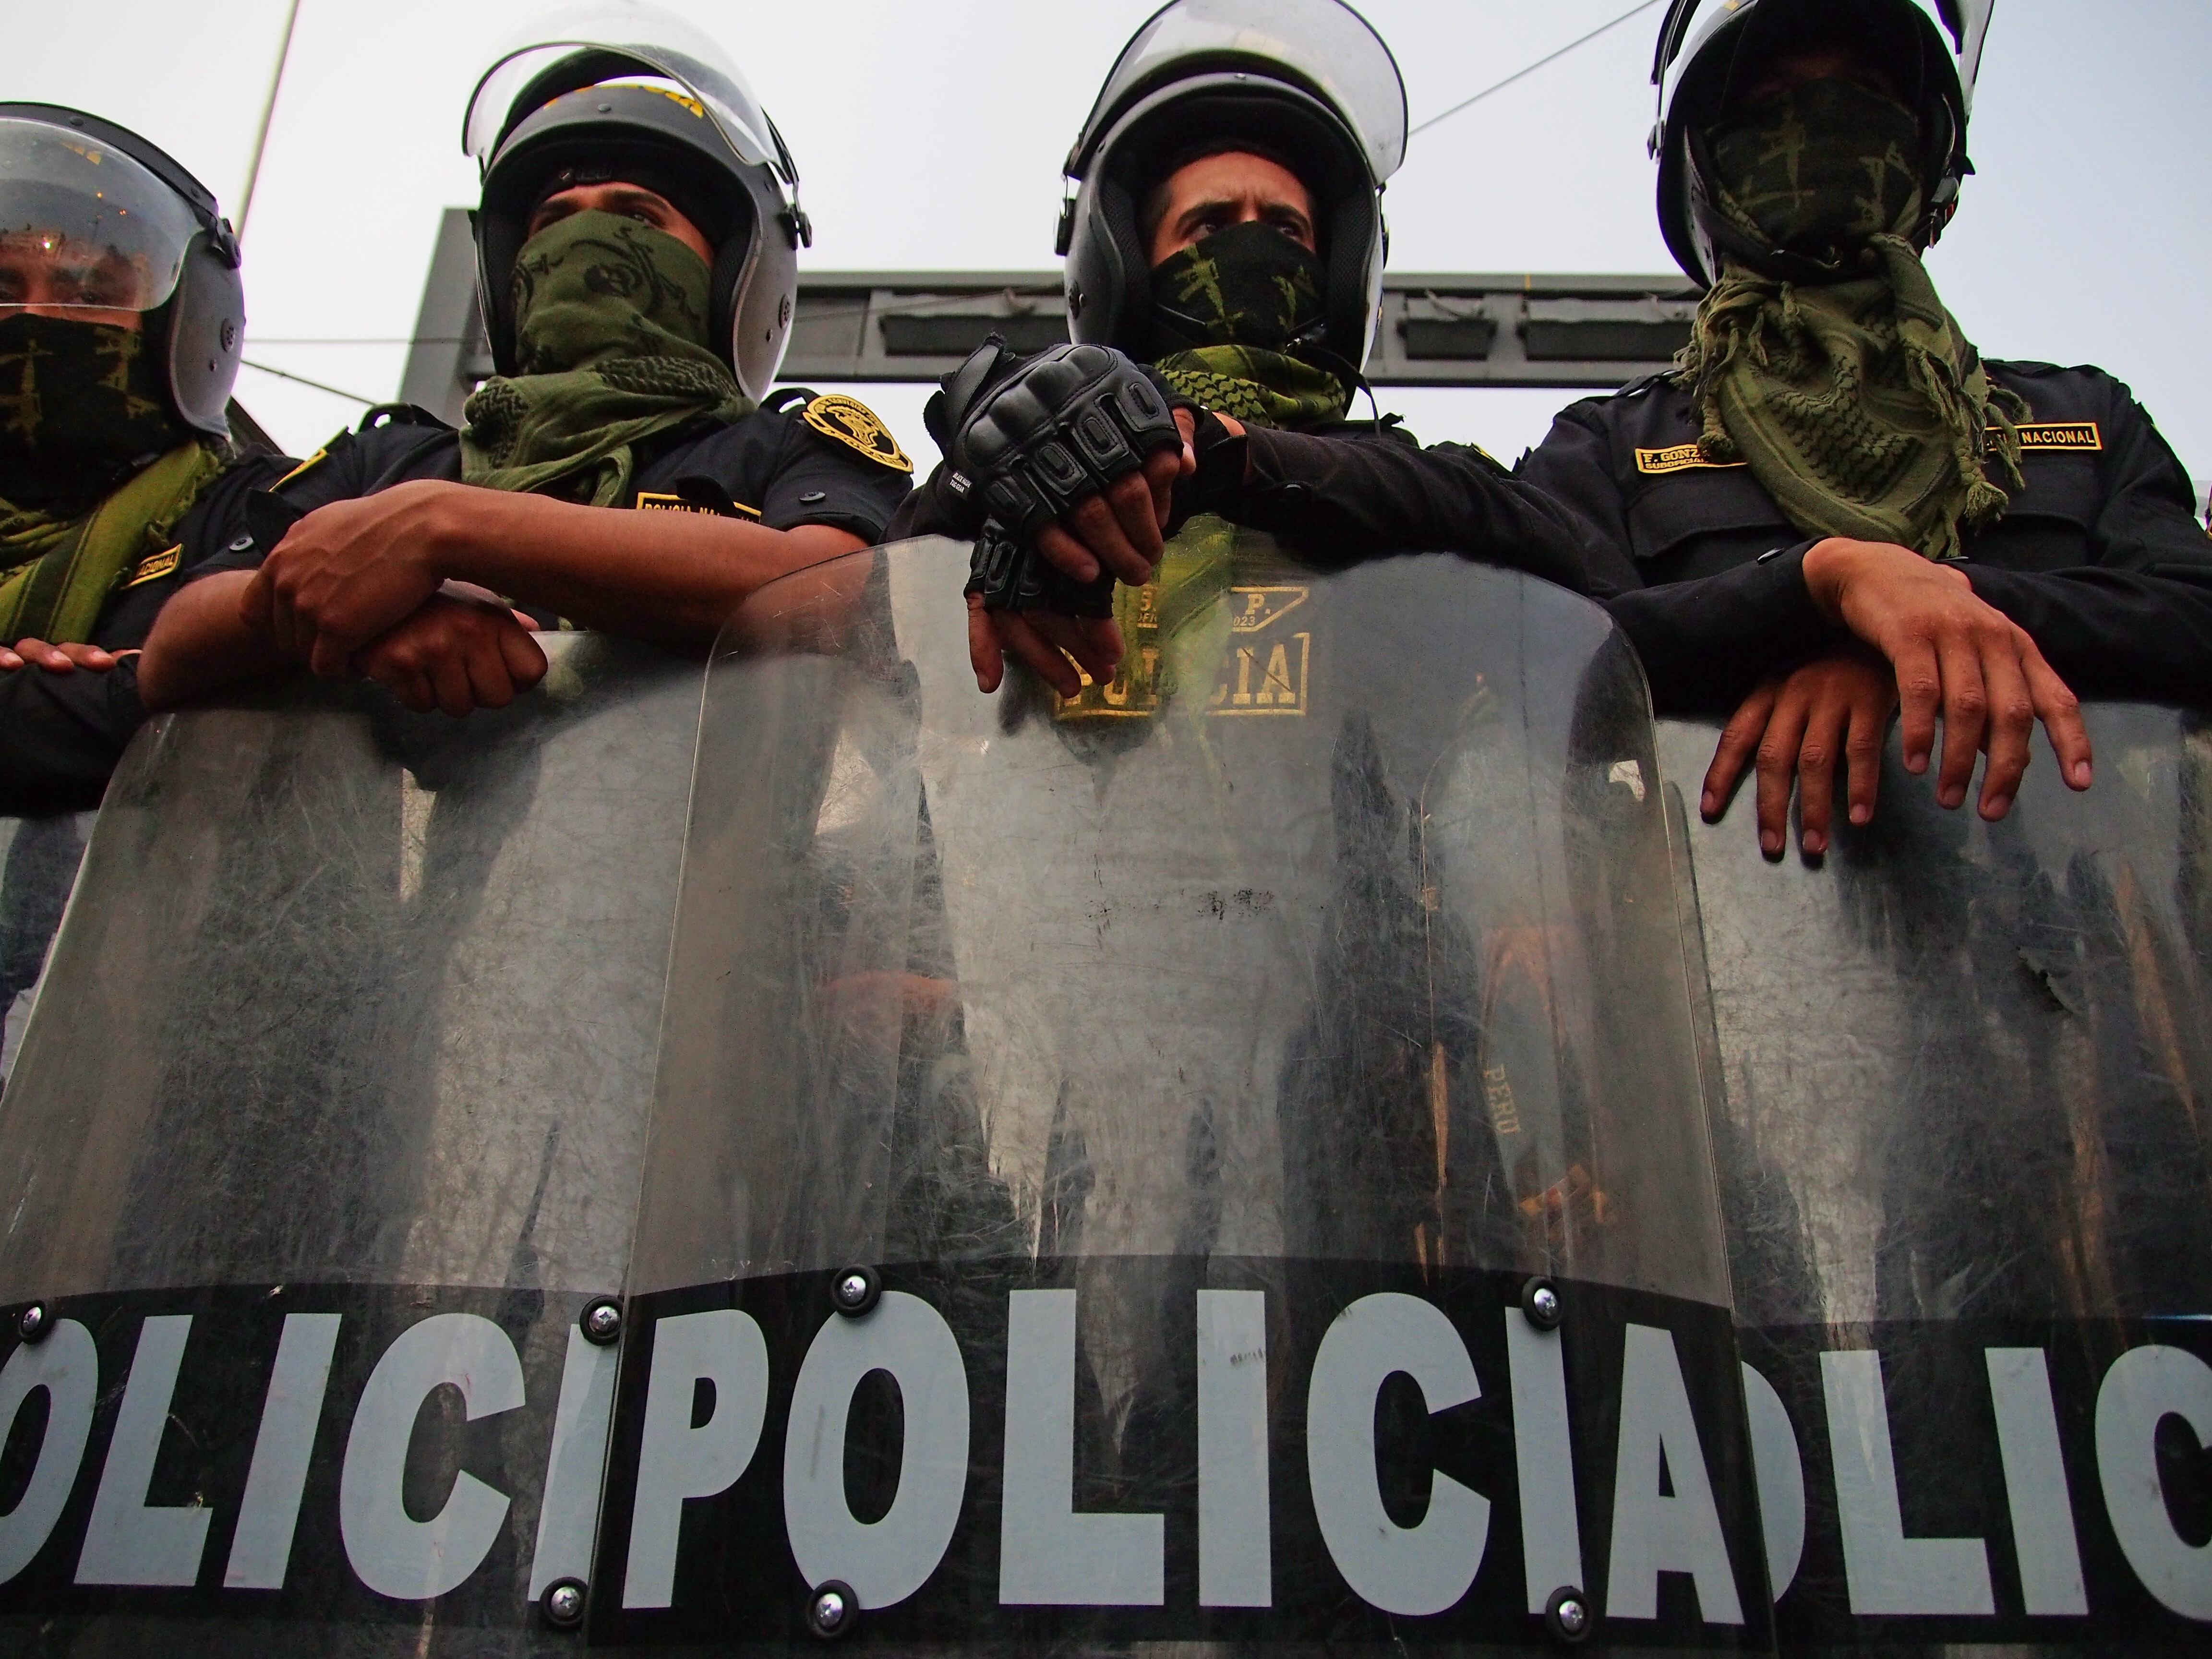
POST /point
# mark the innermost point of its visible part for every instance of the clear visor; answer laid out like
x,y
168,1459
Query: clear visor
x,y
1325,44
659,43
1961,23
83,227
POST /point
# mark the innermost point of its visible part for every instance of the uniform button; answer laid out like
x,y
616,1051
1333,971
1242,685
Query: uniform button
x,y
814,496
241,544
1294,495
1770,555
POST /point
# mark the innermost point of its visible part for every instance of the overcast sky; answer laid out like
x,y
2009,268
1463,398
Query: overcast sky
x,y
930,135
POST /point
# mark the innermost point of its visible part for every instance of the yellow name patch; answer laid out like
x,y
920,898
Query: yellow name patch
x,y
854,424
2062,435
155,566
654,501
1677,457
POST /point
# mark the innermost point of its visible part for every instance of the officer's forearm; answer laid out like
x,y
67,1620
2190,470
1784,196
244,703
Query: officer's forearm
x,y
200,642
671,576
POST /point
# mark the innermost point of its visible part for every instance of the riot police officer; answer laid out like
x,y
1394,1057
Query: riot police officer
x,y
1224,231
637,264
1835,505
121,313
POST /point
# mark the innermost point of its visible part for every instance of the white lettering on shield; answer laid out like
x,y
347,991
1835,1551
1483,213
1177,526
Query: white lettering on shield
x,y
885,1561
1652,1531
2145,1386
392,1552
1427,1567
67,1367
261,1547
677,1459
1048,1553
1543,1460
1886,1571
128,1540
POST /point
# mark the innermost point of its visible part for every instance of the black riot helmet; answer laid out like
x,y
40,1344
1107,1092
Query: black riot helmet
x,y
104,221
1708,51
1307,81
625,92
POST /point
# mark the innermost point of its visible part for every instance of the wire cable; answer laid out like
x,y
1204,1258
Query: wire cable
x,y
287,374
1531,69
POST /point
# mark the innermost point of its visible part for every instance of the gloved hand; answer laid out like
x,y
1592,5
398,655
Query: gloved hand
x,y
1050,459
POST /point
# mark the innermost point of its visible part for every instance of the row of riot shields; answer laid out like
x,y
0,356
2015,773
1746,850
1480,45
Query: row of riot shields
x,y
1302,1146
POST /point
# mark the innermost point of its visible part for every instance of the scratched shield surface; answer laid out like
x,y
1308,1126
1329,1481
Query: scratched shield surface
x,y
332,1109
1960,1072
1327,954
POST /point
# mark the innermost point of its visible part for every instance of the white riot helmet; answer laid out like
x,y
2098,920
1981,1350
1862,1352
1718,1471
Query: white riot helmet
x,y
622,91
1307,81
96,219
1707,48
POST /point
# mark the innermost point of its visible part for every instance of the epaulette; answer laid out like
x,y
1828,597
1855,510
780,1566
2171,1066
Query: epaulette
x,y
384,415
850,422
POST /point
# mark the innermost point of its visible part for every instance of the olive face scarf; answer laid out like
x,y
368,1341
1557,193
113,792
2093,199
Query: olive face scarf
x,y
1223,310
81,402
611,332
1857,402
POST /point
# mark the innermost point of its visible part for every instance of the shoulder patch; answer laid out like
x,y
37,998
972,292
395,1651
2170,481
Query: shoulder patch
x,y
1678,458
854,424
155,566
2062,435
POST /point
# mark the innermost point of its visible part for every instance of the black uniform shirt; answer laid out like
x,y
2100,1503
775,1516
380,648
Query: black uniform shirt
x,y
797,459
61,734
1353,489
2100,558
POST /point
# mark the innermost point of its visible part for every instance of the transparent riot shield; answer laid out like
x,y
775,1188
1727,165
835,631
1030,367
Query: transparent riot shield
x,y
1218,1160
1961,1072
39,859
325,1130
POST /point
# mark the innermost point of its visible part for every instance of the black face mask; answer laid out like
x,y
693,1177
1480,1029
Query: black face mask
x,y
1247,285
82,404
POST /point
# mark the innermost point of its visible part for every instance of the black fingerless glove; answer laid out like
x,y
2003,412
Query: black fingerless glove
x,y
1025,440
1010,575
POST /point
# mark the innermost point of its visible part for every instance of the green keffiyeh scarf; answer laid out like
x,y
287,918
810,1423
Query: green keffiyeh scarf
x,y
1225,312
610,334
1857,402
1259,387
57,573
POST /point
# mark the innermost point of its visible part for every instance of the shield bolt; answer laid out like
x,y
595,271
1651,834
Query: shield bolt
x,y
1541,1302
601,1320
32,1324
856,1290
563,1602
832,1609
1567,1615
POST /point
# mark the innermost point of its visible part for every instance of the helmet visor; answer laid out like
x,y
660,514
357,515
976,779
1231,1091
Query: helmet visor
x,y
1961,24
656,45
1321,45
83,228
